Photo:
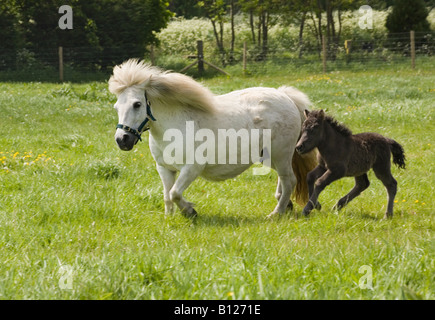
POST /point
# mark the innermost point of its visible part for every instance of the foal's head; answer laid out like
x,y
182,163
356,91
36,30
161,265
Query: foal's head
x,y
312,131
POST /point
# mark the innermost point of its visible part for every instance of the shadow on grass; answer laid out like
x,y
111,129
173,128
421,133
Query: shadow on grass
x,y
222,220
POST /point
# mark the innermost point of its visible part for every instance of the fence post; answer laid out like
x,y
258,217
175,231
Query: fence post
x,y
324,53
348,47
413,49
244,57
152,58
200,49
61,64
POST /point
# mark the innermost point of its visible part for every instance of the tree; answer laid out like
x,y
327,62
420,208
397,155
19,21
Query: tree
x,y
186,8
100,26
10,36
408,15
216,10
263,9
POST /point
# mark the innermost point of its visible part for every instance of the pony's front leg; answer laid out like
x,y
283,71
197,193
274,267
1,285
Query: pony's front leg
x,y
168,178
187,175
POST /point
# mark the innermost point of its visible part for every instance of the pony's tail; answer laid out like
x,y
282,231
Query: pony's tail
x,y
302,164
299,98
398,154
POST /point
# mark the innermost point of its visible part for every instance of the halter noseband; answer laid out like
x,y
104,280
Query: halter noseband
x,y
138,132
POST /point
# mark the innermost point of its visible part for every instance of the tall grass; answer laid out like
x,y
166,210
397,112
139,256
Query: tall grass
x,y
76,210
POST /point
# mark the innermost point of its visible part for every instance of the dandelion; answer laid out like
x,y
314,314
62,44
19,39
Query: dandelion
x,y
403,200
230,294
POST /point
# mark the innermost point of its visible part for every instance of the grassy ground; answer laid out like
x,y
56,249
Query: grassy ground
x,y
80,219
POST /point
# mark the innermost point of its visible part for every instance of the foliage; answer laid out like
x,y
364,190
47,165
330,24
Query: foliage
x,y
407,16
99,25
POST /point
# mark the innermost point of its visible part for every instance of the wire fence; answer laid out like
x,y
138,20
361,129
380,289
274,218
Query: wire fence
x,y
81,64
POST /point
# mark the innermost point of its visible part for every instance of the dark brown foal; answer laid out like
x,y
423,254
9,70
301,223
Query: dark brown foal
x,y
343,154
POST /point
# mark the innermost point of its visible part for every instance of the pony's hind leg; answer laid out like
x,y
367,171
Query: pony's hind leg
x,y
361,183
287,182
383,173
278,193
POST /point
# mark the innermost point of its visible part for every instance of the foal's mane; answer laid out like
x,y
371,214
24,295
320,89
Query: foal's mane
x,y
168,88
337,126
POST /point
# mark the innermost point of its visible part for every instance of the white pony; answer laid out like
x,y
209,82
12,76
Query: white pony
x,y
149,98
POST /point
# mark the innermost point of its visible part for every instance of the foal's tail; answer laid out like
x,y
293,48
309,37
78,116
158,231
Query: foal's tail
x,y
301,164
398,153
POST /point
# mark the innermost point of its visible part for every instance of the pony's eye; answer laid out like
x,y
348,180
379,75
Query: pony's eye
x,y
137,105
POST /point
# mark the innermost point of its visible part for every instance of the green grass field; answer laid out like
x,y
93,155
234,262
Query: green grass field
x,y
80,219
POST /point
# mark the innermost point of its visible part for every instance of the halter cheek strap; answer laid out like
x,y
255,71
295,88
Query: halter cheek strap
x,y
141,129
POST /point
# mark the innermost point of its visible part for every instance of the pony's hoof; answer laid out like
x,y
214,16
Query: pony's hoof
x,y
290,205
189,213
272,215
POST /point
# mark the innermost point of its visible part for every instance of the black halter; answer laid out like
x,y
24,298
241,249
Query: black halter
x,y
138,132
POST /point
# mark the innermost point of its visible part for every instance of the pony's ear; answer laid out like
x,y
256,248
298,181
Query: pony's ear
x,y
147,82
306,113
321,114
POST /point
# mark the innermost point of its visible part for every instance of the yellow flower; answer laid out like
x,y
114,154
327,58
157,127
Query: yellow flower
x,y
230,294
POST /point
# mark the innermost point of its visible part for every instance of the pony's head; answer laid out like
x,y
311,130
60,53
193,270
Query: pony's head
x,y
128,82
138,85
312,131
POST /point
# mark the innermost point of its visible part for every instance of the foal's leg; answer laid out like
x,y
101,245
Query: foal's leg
x,y
327,178
383,173
168,178
187,175
361,183
312,176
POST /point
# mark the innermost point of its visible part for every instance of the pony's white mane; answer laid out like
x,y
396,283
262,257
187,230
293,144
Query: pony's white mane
x,y
162,86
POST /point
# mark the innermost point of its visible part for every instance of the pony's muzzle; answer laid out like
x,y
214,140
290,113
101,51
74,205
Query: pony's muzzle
x,y
126,141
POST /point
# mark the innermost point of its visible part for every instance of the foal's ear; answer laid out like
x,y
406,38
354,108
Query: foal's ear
x,y
306,113
321,114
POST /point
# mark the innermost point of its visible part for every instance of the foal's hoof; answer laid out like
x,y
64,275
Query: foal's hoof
x,y
306,213
387,216
189,213
290,205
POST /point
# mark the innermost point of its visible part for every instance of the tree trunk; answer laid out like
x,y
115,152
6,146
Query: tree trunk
x,y
219,39
264,27
319,17
251,22
301,34
233,34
